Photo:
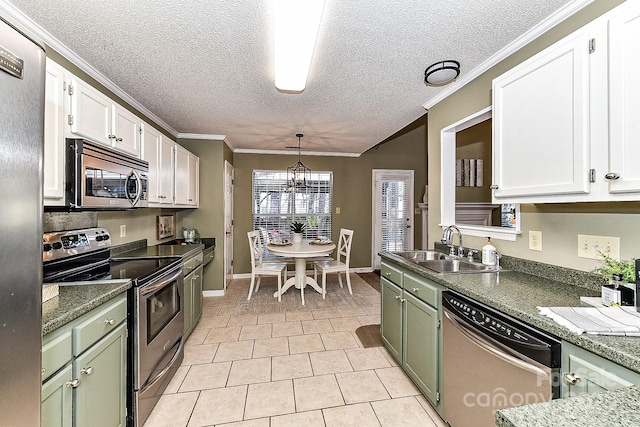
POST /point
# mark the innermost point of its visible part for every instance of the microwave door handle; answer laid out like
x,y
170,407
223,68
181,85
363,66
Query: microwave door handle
x,y
138,193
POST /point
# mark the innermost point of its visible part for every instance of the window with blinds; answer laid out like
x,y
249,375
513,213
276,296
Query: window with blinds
x,y
395,214
276,203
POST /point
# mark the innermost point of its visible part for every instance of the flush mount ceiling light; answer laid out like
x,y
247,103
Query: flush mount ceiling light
x,y
298,173
296,29
441,73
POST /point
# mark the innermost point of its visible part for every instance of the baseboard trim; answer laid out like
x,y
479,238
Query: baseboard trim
x,y
216,293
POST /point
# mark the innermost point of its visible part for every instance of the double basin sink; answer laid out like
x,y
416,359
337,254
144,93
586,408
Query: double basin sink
x,y
442,263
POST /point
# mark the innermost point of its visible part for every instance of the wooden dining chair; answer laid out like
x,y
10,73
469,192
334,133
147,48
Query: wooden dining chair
x,y
260,268
339,265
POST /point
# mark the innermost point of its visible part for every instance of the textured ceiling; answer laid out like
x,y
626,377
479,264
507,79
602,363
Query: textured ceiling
x,y
206,66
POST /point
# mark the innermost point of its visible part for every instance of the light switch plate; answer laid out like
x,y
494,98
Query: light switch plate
x,y
588,246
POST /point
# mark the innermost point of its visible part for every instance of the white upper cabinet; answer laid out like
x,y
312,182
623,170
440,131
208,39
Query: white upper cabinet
x,y
158,151
54,127
126,130
90,113
541,123
624,100
96,117
186,176
561,133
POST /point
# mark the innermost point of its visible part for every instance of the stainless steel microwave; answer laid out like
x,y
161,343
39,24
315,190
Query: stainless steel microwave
x,y
99,177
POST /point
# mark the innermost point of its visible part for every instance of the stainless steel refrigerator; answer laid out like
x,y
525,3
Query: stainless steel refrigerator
x,y
22,76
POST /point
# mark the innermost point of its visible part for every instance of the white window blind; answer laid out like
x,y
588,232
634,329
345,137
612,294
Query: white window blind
x,y
276,203
395,214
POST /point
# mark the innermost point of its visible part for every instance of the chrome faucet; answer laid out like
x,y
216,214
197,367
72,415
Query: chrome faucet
x,y
498,257
447,237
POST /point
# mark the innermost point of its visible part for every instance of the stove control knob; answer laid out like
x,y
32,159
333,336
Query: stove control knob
x,y
46,247
57,245
99,238
105,237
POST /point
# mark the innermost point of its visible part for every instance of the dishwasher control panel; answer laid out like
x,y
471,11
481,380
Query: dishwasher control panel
x,y
487,319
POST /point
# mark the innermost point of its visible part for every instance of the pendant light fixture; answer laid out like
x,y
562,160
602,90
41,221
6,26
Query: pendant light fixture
x,y
299,174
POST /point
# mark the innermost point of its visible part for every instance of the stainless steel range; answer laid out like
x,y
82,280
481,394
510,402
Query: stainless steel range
x,y
155,307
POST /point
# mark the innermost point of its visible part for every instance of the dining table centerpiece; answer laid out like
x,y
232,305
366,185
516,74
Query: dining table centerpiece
x,y
297,228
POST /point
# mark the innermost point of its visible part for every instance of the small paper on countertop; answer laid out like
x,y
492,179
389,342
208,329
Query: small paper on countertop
x,y
620,321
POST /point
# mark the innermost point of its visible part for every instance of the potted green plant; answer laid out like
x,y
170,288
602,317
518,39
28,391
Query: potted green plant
x,y
297,228
619,271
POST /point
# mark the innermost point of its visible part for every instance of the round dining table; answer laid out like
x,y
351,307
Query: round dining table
x,y
308,248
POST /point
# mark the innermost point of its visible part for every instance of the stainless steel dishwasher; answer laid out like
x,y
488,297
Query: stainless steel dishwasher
x,y
493,361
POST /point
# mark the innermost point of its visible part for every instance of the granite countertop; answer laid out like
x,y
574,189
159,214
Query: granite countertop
x,y
518,294
75,300
160,251
613,408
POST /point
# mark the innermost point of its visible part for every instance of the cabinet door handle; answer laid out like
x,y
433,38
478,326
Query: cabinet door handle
x,y
493,187
110,321
612,176
572,378
86,371
119,139
112,137
72,383
414,289
388,274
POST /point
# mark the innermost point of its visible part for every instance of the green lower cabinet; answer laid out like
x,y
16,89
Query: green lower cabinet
x,y
57,408
410,328
84,366
584,373
192,300
102,389
391,318
420,345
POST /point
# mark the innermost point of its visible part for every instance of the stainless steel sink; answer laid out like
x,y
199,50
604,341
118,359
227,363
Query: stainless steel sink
x,y
455,266
418,256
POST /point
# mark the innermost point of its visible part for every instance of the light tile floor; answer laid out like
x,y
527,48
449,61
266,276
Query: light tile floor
x,y
268,364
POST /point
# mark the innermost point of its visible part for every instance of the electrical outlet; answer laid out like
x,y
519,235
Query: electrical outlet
x,y
535,240
123,230
588,246
337,211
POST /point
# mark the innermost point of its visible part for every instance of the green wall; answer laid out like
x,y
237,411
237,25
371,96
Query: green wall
x,y
560,224
351,189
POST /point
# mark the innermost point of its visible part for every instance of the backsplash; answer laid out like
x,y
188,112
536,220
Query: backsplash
x,y
61,221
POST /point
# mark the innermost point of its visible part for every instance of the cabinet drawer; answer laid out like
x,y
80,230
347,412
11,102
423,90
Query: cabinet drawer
x,y
391,273
98,325
55,354
420,288
192,264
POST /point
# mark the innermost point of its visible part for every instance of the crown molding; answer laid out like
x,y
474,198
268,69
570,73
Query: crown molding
x,y
294,153
202,136
48,39
535,32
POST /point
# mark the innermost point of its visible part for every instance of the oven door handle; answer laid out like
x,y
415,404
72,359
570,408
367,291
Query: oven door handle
x,y
166,369
138,193
479,341
146,290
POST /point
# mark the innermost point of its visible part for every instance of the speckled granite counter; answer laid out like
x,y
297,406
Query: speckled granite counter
x,y
613,408
518,294
74,301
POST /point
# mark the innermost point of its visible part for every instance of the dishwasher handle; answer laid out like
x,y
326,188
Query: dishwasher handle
x,y
480,342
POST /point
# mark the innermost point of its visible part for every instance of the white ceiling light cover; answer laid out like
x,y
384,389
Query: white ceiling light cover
x,y
296,29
